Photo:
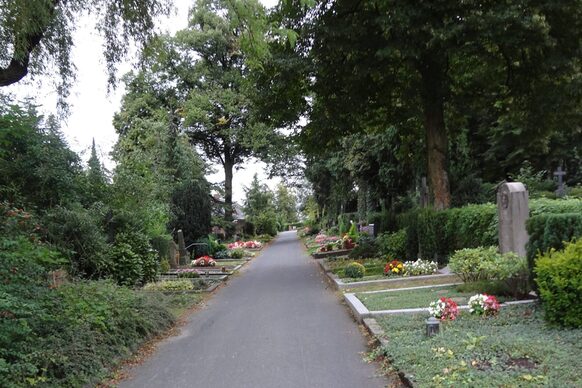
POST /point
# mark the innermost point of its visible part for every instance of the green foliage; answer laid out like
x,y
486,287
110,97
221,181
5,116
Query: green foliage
x,y
37,168
559,280
77,233
67,336
182,275
266,223
471,264
549,354
238,253
550,231
191,208
355,270
392,245
38,35
221,255
133,260
440,233
170,285
353,232
366,248
164,266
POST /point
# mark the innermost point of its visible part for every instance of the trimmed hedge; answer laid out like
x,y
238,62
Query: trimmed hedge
x,y
550,231
559,279
432,234
436,235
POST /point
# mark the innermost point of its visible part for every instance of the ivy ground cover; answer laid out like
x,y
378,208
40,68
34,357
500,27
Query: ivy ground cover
x,y
515,348
419,298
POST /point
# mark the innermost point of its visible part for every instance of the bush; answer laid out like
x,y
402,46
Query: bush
x,y
355,270
266,223
484,264
186,274
549,231
366,248
559,280
221,255
170,285
77,234
392,245
133,260
471,263
236,254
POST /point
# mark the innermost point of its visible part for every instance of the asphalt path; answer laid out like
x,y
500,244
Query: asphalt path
x,y
275,325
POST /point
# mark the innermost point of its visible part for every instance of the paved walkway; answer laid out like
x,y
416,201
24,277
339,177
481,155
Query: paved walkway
x,y
276,325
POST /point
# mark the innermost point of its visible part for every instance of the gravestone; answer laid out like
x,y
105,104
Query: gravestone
x,y
173,252
561,187
368,229
513,211
182,248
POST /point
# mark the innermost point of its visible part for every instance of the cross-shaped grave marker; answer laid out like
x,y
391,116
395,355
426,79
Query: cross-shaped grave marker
x,y
560,174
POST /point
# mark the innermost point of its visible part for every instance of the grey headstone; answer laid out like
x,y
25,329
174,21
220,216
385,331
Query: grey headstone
x,y
182,248
513,210
424,193
173,253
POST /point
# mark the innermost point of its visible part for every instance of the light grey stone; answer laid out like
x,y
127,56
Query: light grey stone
x,y
513,210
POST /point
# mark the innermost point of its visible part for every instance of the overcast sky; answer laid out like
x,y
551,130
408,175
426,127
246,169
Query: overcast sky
x,y
92,108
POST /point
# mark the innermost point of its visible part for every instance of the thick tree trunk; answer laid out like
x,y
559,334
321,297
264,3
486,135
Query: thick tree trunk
x,y
228,173
433,91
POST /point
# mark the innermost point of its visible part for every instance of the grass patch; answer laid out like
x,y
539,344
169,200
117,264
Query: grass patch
x,y
414,298
516,348
374,268
406,282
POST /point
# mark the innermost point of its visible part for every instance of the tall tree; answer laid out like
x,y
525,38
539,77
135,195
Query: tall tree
x,y
35,33
200,75
441,66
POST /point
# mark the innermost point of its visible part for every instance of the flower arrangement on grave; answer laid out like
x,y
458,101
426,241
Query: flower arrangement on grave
x,y
204,261
444,309
420,267
483,304
245,244
348,242
394,267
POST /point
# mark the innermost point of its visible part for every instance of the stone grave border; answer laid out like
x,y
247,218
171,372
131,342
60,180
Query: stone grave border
x,y
341,285
336,253
361,312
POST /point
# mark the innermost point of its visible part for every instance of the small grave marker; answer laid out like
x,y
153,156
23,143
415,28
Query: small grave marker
x,y
561,191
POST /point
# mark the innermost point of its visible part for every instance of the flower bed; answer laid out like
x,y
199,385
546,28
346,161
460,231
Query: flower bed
x,y
379,268
514,348
245,245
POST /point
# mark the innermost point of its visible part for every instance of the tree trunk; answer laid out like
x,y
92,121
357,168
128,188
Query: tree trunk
x,y
433,91
228,172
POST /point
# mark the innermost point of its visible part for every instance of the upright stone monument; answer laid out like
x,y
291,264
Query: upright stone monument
x,y
513,210
182,248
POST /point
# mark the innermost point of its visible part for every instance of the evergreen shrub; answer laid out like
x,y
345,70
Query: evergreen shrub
x,y
355,270
559,280
550,231
393,244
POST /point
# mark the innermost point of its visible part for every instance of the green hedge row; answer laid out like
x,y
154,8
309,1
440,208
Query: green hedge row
x,y
434,234
547,231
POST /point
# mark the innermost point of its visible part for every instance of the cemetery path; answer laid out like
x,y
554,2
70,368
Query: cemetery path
x,y
276,325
